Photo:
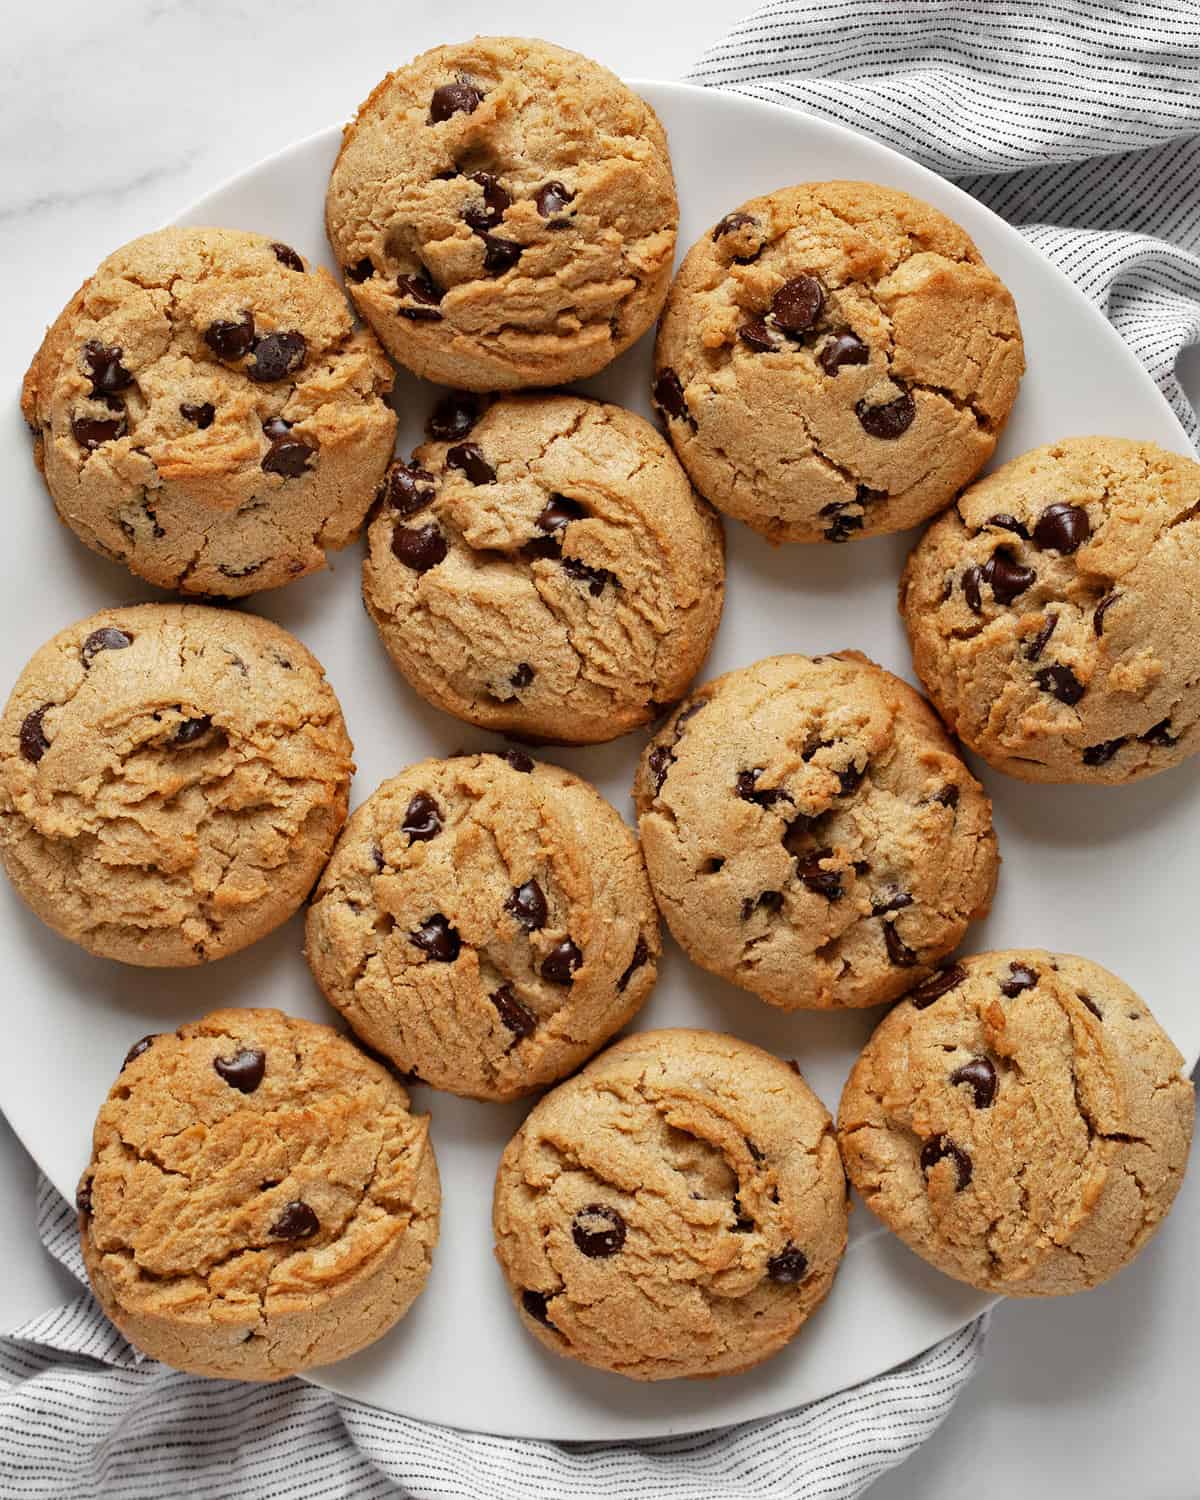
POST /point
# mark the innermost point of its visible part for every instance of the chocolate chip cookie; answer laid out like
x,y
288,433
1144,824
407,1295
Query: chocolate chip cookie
x,y
544,568
835,360
811,834
678,1208
172,779
259,1200
505,214
1021,1121
1053,612
205,412
485,923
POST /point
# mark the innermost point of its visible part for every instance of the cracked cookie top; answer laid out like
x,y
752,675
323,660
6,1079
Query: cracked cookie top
x,y
835,360
811,834
1021,1121
1053,612
505,214
259,1200
544,568
205,412
676,1209
172,779
485,923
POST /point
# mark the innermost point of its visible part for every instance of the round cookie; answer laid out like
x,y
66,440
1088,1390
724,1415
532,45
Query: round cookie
x,y
1053,612
676,1209
259,1200
485,923
811,834
835,360
205,412
1021,1121
172,779
505,214
547,571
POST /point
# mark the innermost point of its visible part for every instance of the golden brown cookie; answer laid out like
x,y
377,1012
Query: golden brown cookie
x,y
1021,1121
259,1200
485,923
172,779
205,412
1053,612
505,214
678,1208
545,569
811,834
835,360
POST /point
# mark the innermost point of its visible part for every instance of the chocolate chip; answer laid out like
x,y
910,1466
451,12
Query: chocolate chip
x,y
438,939
897,950
107,638
558,513
139,1047
595,578
970,586
551,198
453,417
296,1222
1036,646
668,396
938,1149
797,304
288,456
560,963
276,356
842,349
659,762
742,1222
937,985
980,1074
528,905
1021,977
420,314
598,1231
500,255
231,340
103,364
892,900
406,488
518,760
757,336
850,779
843,524
1159,734
1008,578
469,458
768,901
640,955
1008,523
745,785
889,420
83,1198
420,288
1092,1006
1101,609
534,1304
191,730
496,199
523,676
1061,682
1062,528
731,222
948,796
419,547
286,256
1101,754
360,271
228,572
797,832
422,819
821,882
788,1267
461,97
519,1019
93,432
202,415
244,1070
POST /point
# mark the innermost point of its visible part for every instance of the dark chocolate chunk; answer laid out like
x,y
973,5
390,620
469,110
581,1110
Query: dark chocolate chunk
x,y
890,420
551,198
1101,754
788,1267
419,547
560,964
438,939
296,1222
286,256
107,638
468,458
453,417
276,356
422,819
229,340
797,304
598,1231
407,488
842,349
519,1019
640,955
462,97
1062,528
244,1070
937,985
528,905
1021,977
1061,682
897,949
1033,651
941,1147
202,414
980,1075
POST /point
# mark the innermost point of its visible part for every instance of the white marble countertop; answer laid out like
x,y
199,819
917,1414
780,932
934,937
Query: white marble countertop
x,y
116,115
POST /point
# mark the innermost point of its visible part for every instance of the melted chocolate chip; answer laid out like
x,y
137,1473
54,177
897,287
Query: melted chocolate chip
x,y
83,1198
745,785
1060,682
93,432
980,1075
937,985
560,963
107,638
522,676
889,420
898,950
821,882
640,955
419,314
551,198
288,457
1021,977
598,1231
1008,578
797,304
231,340
470,460
843,524
941,1147
1101,609
496,199
420,288
850,780
889,901
103,364
528,905
244,1070
1091,1005
422,819
407,488
462,97
1037,645
1008,523
731,222
518,760
202,415
139,1047
1062,528
276,356
788,1267
842,349
970,586
948,796
1101,754
668,396
519,1019
286,256
558,513
659,762
1159,734
296,1222
500,255
438,939
595,578
534,1304
453,417
757,336
360,271
191,730
419,547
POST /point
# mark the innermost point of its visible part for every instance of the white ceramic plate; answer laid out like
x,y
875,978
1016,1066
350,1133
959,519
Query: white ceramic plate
x,y
1107,873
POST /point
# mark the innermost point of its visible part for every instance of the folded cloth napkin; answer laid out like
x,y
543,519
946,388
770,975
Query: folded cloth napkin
x,y
1081,124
